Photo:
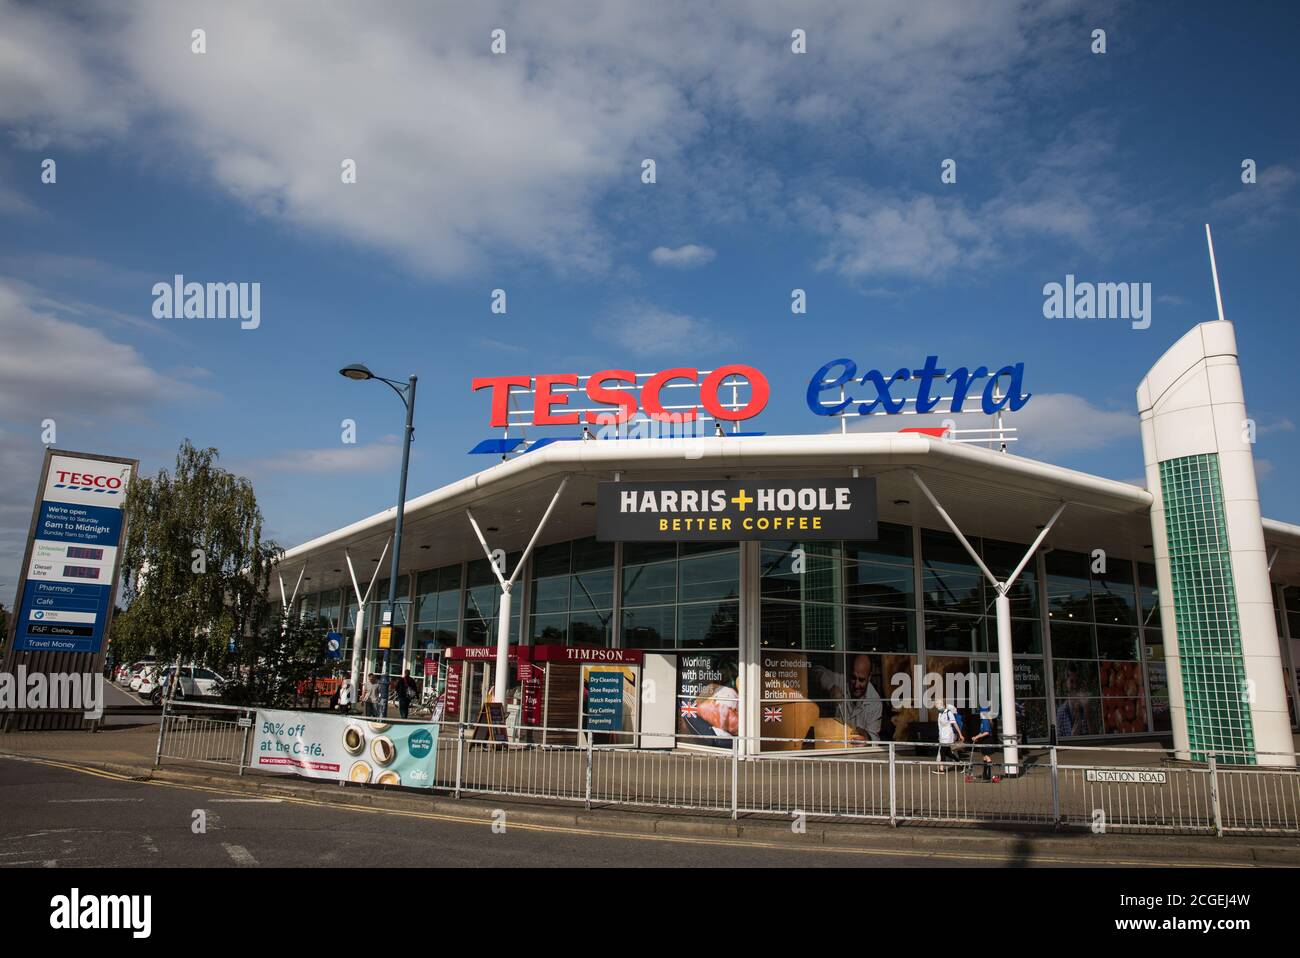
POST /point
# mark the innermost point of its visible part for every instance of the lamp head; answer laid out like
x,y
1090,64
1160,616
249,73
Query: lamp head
x,y
357,371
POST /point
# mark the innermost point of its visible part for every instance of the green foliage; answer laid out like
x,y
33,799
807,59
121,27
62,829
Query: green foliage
x,y
267,666
197,569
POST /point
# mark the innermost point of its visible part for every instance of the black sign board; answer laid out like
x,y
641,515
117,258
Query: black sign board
x,y
734,509
491,724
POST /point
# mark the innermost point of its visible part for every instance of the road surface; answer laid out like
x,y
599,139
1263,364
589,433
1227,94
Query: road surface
x,y
57,816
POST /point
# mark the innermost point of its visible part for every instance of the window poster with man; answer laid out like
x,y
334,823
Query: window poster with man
x,y
825,700
708,698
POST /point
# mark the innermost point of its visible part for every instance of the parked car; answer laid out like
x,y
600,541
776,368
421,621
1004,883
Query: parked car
x,y
127,672
197,682
149,680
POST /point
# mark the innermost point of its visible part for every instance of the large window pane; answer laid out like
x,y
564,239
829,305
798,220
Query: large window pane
x,y
1026,636
1072,640
650,584
876,630
636,553
953,633
708,625
781,625
1069,590
650,627
589,554
1113,643
1002,559
592,590
876,583
552,559
591,628
551,595
1148,594
549,629
1114,598
715,576
951,580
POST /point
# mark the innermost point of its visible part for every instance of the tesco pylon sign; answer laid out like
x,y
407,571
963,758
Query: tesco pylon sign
x,y
615,393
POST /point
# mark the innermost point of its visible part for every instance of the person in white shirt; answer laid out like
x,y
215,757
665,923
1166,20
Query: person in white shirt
x,y
949,734
345,696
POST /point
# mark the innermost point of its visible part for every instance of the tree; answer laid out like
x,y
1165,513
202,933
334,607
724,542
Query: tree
x,y
269,665
197,569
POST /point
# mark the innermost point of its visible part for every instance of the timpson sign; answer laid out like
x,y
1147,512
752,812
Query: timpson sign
x,y
732,509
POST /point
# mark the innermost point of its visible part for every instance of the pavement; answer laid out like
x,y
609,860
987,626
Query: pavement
x,y
82,798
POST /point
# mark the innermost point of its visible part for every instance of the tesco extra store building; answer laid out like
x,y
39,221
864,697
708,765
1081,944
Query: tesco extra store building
x,y
1123,613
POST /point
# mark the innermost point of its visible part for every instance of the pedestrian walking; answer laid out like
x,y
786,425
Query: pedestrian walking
x,y
345,695
405,692
949,733
370,695
984,739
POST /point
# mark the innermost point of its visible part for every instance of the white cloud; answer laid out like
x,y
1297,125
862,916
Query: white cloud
x,y
1259,205
1050,425
920,238
1059,423
648,330
464,157
683,257
1059,192
335,460
53,367
20,463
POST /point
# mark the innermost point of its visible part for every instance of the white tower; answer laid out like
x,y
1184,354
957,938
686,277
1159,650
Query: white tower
x,y
1227,692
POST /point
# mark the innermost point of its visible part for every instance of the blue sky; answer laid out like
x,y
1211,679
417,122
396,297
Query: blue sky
x,y
521,171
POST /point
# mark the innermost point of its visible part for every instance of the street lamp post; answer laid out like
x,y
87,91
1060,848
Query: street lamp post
x,y
359,372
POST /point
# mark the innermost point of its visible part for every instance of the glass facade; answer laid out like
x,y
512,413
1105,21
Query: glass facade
x,y
841,627
1099,684
681,595
837,624
1205,605
572,595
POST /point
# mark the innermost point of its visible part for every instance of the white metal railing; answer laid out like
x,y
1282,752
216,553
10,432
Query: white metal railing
x,y
1101,788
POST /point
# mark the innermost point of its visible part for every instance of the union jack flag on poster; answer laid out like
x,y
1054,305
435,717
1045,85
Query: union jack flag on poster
x,y
772,714
689,710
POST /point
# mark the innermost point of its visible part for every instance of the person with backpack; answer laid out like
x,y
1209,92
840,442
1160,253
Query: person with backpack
x,y
949,733
984,738
405,692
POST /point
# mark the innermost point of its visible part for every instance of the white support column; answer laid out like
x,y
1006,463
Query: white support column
x,y
287,602
503,647
359,632
503,625
1002,608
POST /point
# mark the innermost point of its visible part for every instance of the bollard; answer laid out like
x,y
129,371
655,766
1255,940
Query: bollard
x,y
735,777
893,787
1214,795
460,756
1056,792
590,745
162,727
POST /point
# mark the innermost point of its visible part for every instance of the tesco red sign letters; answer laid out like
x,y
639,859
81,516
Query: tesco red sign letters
x,y
617,388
